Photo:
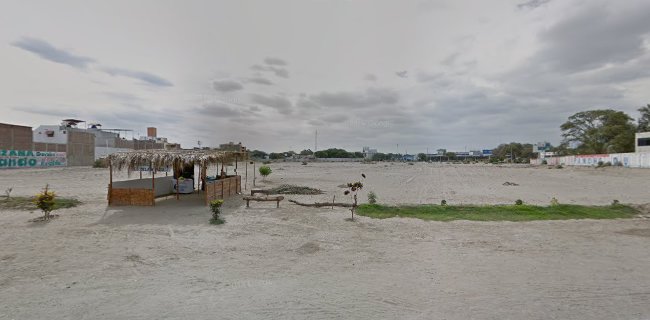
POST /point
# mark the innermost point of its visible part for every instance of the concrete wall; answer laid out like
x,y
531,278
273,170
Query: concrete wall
x,y
631,160
51,147
81,148
147,145
14,137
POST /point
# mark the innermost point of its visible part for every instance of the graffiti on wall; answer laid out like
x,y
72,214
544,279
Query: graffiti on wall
x,y
31,159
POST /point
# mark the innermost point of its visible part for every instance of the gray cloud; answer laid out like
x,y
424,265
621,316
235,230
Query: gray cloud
x,y
532,4
226,85
593,38
145,77
277,71
281,104
260,80
275,61
402,74
371,97
370,77
50,53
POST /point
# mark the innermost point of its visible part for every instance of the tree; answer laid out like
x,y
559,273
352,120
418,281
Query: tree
x,y
265,171
644,119
422,157
600,131
450,155
307,152
514,151
257,154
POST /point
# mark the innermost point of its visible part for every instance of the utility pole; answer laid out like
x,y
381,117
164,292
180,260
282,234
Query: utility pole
x,y
316,141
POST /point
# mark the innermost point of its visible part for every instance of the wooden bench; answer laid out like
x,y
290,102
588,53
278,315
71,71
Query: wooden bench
x,y
267,198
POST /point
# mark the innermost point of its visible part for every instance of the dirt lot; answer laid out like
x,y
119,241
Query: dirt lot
x,y
166,262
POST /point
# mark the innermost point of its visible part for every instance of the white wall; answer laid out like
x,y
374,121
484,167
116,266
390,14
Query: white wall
x,y
60,134
631,160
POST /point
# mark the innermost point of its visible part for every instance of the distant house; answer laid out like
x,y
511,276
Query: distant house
x,y
369,153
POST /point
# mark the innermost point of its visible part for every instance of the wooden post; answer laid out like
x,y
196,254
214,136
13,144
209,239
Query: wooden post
x,y
178,186
222,187
153,186
110,182
253,173
246,184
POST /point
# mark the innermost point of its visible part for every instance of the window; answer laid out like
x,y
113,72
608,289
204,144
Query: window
x,y
643,142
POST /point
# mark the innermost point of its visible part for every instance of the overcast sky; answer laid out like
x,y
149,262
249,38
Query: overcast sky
x,y
454,74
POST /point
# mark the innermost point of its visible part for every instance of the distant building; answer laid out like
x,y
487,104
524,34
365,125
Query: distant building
x,y
408,157
369,153
642,142
231,146
78,144
15,137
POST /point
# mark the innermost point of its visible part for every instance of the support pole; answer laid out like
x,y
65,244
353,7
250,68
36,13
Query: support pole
x,y
153,186
246,182
178,186
110,182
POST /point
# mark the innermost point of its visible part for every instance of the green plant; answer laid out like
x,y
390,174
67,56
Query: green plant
x,y
45,201
615,202
372,197
544,161
215,207
519,202
265,171
100,163
443,202
554,202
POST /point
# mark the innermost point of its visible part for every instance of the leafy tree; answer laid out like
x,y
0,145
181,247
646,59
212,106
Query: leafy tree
x,y
276,155
265,171
450,155
644,119
257,154
422,157
600,131
514,150
307,152
335,153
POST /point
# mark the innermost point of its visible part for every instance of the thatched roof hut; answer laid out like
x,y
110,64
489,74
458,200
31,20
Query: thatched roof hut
x,y
163,158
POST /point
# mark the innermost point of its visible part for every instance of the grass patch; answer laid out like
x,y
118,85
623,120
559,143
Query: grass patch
x,y
497,212
26,203
293,189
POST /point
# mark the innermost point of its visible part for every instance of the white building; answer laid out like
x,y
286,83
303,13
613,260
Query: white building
x,y
642,142
369,153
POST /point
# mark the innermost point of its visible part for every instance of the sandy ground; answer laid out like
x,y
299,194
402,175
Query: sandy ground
x,y
166,262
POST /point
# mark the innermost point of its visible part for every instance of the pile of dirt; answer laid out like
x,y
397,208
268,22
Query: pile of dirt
x,y
293,189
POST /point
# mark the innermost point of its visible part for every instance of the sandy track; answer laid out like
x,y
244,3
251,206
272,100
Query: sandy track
x,y
293,262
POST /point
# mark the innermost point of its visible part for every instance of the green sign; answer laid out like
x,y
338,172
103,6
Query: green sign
x,y
31,159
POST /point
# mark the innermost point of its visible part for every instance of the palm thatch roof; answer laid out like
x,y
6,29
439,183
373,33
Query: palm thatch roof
x,y
162,158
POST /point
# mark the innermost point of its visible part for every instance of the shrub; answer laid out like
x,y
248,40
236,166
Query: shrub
x,y
215,207
443,202
100,163
265,171
519,202
372,197
600,164
615,202
304,163
544,161
45,201
352,190
554,202
559,166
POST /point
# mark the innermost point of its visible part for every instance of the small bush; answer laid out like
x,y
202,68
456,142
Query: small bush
x,y
615,202
100,163
372,197
554,202
559,166
304,163
544,161
443,202
607,164
45,201
215,207
265,171
519,202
